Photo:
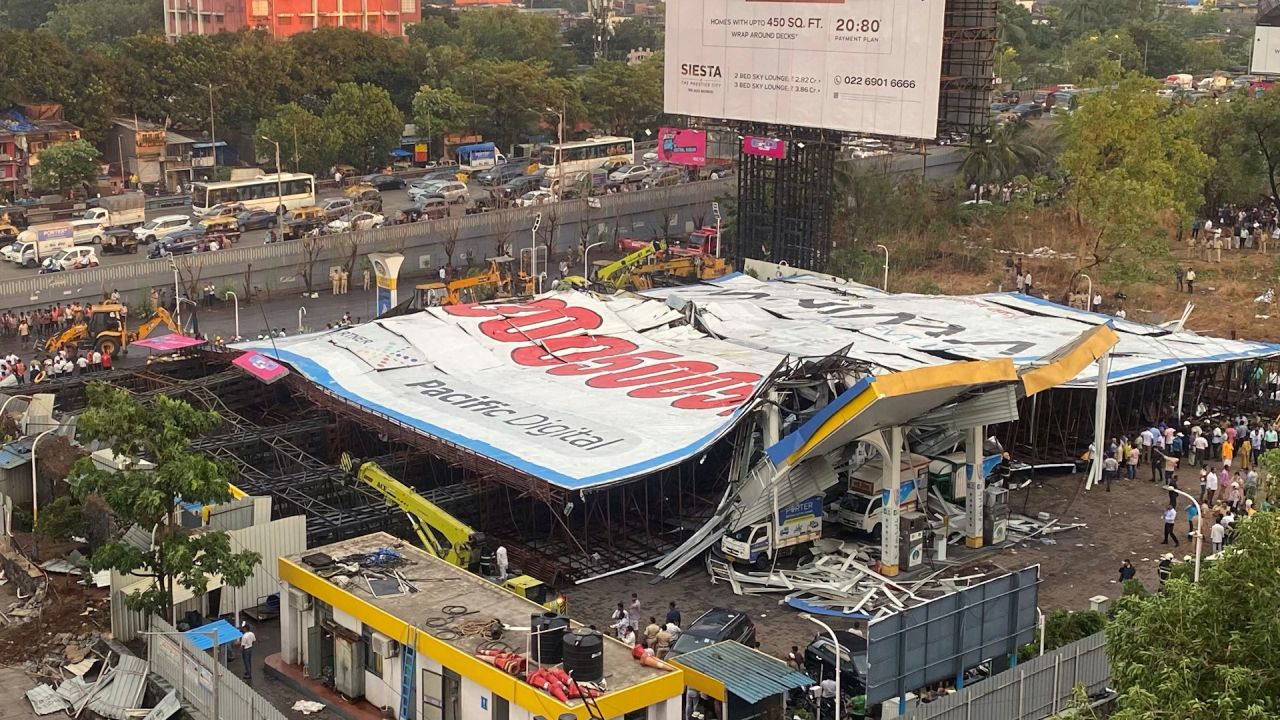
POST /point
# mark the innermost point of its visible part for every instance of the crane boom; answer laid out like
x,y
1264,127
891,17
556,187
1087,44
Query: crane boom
x,y
614,273
443,535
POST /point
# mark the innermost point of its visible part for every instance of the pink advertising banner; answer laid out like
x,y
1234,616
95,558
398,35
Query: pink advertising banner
x,y
764,147
682,147
260,366
169,342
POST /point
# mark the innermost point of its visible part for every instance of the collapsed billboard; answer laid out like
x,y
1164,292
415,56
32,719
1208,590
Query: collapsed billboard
x,y
577,391
859,66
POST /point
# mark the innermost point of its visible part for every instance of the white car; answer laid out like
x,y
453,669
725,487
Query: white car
x,y
220,209
451,190
535,197
161,227
358,221
651,156
73,259
630,173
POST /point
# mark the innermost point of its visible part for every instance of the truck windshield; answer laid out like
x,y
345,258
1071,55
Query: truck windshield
x,y
855,503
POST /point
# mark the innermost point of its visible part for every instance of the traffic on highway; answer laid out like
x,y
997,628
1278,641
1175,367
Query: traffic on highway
x,y
267,208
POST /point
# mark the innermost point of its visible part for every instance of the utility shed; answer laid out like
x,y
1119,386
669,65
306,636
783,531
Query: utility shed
x,y
747,682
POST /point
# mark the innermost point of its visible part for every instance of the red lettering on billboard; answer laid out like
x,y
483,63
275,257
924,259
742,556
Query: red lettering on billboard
x,y
557,337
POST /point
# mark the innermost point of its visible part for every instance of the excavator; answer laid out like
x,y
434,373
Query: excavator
x,y
464,290
445,536
638,271
614,275
107,329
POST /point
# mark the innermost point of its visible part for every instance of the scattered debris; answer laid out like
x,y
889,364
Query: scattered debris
x,y
306,707
165,708
45,701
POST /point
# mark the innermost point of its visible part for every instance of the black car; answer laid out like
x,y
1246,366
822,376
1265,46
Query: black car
x,y
183,242
518,186
256,219
713,626
819,661
444,173
499,174
383,181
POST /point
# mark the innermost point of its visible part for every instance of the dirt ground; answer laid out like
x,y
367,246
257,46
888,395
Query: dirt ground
x,y
69,608
1082,563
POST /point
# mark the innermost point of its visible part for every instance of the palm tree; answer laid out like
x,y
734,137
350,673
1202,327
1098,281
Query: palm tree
x,y
999,157
1083,15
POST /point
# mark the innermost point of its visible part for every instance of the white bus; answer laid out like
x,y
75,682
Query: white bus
x,y
264,192
586,155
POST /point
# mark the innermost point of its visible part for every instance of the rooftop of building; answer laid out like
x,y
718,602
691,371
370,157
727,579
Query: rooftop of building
x,y
472,603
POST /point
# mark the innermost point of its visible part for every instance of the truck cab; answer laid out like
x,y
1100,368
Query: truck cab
x,y
862,507
797,524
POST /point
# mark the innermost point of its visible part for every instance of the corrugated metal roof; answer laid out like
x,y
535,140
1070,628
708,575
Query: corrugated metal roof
x,y
137,538
13,455
749,674
128,682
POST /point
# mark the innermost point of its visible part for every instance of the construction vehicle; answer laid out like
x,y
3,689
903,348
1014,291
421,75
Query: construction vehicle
x,y
107,330
615,274
445,536
465,290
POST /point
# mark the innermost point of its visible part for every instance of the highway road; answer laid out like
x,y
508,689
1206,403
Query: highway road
x,y
393,201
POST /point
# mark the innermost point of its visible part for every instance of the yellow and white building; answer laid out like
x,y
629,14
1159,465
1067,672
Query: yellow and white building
x,y
414,654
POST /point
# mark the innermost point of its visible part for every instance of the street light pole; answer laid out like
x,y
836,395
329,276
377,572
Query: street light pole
x,y
715,210
35,494
1199,536
835,651
279,189
213,137
586,272
236,298
533,253
302,311
559,141
885,285
177,290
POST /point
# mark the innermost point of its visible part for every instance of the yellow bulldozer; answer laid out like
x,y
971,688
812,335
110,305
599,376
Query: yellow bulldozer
x,y
107,330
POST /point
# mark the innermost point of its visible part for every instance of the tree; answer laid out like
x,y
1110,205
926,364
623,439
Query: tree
x,y
1213,659
24,15
509,34
105,20
998,158
160,431
1239,171
365,124
621,97
634,34
302,135
66,165
1129,164
519,89
1261,120
442,111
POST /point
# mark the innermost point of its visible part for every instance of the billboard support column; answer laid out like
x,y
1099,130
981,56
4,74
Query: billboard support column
x,y
892,484
975,487
1099,422
386,268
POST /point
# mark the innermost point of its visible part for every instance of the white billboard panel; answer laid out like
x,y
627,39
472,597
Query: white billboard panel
x,y
854,65
574,390
1266,50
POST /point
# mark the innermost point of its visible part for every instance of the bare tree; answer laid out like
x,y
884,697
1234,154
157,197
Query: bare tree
x,y
550,228
502,236
307,264
351,242
450,230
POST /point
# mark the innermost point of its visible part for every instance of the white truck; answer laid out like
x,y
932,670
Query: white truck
x,y
862,507
118,211
38,242
797,524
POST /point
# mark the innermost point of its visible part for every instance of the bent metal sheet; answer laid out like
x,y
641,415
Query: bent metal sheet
x,y
560,387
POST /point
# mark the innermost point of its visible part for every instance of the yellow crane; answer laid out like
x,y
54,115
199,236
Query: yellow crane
x,y
445,536
464,290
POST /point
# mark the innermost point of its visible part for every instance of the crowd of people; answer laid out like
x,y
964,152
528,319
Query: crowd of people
x,y
1226,452
1234,227
656,638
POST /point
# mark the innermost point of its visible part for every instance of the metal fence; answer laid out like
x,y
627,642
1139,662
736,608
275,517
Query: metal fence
x,y
194,675
1034,690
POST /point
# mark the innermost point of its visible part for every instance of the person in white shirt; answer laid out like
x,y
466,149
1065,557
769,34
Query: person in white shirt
x,y
1216,535
246,642
629,636
500,558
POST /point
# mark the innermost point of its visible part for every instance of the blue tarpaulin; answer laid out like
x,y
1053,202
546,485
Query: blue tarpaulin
x,y
221,628
401,153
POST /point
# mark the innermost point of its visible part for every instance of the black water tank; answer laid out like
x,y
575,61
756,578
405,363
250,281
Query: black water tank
x,y
548,638
584,654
